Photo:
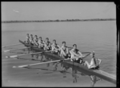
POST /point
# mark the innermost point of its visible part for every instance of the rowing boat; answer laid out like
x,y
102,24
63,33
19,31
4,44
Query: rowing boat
x,y
77,66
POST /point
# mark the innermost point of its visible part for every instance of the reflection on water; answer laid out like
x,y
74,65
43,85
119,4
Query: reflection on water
x,y
64,66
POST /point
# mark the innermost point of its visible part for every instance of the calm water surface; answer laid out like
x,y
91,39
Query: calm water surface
x,y
98,36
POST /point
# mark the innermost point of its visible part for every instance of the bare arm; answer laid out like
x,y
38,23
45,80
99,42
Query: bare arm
x,y
58,46
80,54
67,51
73,53
99,61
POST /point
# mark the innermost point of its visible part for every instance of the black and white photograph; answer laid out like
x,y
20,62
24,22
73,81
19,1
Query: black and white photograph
x,y
58,44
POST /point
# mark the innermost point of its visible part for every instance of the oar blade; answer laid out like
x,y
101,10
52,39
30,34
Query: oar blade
x,y
22,66
6,51
10,45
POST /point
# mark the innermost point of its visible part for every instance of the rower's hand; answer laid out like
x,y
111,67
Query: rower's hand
x,y
71,59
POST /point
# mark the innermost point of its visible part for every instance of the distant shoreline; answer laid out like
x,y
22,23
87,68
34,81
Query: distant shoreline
x,y
67,20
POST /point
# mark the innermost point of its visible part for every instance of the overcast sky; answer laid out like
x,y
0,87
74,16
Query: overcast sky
x,y
57,10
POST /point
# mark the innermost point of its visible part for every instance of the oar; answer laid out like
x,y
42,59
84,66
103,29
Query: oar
x,y
10,45
86,55
14,56
22,66
13,49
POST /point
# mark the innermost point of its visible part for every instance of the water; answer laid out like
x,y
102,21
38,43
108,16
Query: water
x,y
98,36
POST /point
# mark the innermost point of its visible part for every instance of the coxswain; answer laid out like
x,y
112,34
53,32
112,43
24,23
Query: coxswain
x,y
95,62
93,65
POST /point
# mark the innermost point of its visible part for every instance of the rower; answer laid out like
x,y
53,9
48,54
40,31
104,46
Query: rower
x,y
76,55
55,47
28,38
31,39
36,40
28,42
93,66
63,53
47,44
64,50
41,43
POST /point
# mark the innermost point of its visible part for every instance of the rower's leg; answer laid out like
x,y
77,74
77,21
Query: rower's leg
x,y
56,65
88,65
37,55
64,73
74,72
48,60
28,50
99,61
65,70
41,58
32,55
93,80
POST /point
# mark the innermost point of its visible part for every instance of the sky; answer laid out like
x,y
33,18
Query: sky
x,y
57,10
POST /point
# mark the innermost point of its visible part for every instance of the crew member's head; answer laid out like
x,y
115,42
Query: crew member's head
x,y
27,34
40,38
36,36
54,41
64,43
74,46
93,54
47,39
31,35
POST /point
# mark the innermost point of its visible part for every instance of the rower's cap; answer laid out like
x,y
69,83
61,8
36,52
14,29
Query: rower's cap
x,y
47,38
54,40
93,53
40,37
63,42
74,44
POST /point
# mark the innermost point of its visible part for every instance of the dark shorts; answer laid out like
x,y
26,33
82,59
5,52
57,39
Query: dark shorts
x,y
55,53
78,61
41,47
31,44
94,68
67,56
49,49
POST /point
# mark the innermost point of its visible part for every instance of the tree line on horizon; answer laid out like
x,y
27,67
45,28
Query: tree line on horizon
x,y
57,20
